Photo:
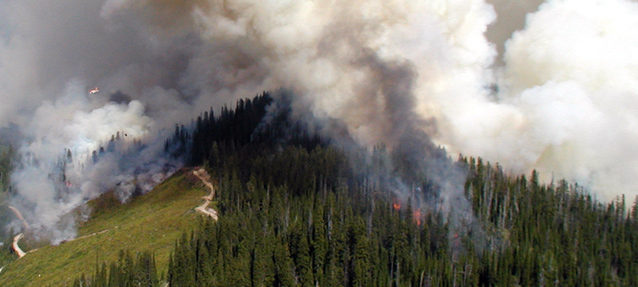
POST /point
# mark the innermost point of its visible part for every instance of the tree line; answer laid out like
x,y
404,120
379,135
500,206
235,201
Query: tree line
x,y
302,212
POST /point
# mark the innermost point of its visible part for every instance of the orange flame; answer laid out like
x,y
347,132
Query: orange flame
x,y
417,216
396,206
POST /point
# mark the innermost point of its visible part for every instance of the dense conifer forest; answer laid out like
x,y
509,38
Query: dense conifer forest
x,y
295,210
5,167
6,154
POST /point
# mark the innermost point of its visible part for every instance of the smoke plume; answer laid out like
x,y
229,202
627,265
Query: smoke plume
x,y
548,86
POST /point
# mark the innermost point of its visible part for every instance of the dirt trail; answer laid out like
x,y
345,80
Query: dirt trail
x,y
19,215
205,178
15,246
85,236
17,238
200,173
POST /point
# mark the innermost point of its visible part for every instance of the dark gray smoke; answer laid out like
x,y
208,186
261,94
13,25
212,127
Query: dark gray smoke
x,y
561,99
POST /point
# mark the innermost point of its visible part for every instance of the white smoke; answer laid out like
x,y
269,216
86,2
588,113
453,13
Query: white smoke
x,y
558,96
78,149
564,102
567,100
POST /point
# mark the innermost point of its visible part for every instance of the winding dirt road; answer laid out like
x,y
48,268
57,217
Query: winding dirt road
x,y
200,173
19,215
17,248
205,178
17,238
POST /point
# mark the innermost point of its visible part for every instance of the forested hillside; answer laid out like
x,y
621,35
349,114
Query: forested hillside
x,y
6,152
302,212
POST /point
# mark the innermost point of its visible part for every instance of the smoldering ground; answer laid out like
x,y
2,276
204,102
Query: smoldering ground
x,y
562,97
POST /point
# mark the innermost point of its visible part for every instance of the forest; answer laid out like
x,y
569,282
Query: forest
x,y
5,166
298,210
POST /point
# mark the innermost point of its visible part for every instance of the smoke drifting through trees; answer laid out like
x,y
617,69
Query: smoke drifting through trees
x,y
565,102
78,157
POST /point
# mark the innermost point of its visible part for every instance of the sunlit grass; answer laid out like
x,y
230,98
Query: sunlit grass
x,y
151,222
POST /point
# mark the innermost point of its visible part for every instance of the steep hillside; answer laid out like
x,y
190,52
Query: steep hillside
x,y
152,222
297,210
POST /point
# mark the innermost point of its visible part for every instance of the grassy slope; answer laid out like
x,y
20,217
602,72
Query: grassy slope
x,y
150,222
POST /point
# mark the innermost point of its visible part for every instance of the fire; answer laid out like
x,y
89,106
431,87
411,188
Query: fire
x,y
417,216
396,206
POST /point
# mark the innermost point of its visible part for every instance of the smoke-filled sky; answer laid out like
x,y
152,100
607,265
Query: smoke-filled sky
x,y
550,86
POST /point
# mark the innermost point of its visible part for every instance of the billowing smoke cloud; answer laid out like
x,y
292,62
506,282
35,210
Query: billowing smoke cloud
x,y
76,145
567,100
75,151
558,96
511,18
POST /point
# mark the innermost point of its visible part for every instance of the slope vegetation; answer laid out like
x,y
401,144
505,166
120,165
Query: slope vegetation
x,y
296,210
152,222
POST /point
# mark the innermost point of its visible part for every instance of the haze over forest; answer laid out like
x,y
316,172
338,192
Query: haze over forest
x,y
547,86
